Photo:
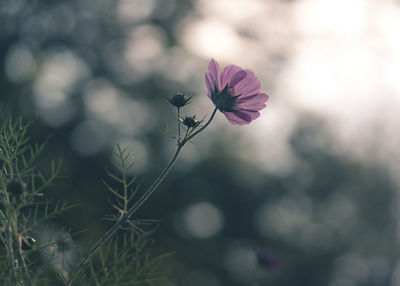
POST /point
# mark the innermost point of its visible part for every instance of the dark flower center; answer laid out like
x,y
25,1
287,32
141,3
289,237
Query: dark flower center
x,y
224,100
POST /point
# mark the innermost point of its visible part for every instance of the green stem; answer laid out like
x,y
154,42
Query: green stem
x,y
125,187
10,238
179,126
11,256
201,129
136,206
21,258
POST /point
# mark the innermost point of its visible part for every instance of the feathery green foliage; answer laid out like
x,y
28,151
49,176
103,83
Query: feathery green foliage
x,y
125,195
126,260
25,210
24,207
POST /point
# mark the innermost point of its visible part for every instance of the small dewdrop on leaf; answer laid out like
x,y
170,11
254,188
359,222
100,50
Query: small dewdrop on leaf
x,y
27,243
179,100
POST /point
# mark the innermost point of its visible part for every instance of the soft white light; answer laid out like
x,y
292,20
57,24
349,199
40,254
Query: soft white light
x,y
134,10
211,38
144,45
59,75
326,16
203,220
111,105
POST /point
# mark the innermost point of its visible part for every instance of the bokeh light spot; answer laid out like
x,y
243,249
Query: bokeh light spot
x,y
134,10
241,262
211,38
20,64
88,138
203,220
59,75
284,219
143,47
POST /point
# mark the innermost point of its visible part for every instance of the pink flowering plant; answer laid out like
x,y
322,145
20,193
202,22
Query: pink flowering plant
x,y
234,91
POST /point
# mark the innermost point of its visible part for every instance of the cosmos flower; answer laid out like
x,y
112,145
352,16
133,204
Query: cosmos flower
x,y
236,92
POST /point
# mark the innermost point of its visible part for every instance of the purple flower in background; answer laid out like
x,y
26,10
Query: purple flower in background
x,y
236,92
267,257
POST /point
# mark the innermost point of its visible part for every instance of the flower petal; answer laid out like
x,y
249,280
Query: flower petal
x,y
228,73
248,85
253,102
237,78
209,86
243,85
214,72
234,119
241,117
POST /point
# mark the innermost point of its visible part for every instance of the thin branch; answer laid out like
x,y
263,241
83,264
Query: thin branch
x,y
136,206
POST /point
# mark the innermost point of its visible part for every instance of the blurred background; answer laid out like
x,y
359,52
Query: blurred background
x,y
312,184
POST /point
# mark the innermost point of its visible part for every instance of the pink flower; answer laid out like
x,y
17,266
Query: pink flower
x,y
236,92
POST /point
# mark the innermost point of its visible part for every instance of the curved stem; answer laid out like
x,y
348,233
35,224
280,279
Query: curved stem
x,y
201,129
137,205
154,186
119,223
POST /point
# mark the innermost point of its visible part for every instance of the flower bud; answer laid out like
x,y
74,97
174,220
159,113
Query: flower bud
x,y
190,121
16,187
179,100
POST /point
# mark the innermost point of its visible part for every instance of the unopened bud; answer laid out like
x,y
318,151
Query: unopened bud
x,y
16,187
179,100
190,121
